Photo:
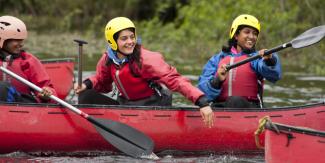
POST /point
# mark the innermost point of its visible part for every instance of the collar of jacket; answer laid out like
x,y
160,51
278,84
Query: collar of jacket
x,y
234,52
112,54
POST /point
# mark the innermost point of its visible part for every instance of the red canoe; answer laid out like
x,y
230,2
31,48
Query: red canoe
x,y
284,143
61,74
41,127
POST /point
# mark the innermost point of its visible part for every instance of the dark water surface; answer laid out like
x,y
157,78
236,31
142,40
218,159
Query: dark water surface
x,y
296,88
101,157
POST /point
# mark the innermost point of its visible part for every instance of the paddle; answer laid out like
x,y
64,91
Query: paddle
x,y
80,44
305,39
125,138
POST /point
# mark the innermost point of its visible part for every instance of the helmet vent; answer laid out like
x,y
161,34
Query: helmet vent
x,y
18,30
5,23
245,17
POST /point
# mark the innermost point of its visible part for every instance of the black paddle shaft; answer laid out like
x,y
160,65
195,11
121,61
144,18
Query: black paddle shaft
x,y
305,39
80,43
267,52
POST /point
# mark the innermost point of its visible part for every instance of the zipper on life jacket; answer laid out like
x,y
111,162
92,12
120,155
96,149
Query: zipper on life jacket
x,y
119,83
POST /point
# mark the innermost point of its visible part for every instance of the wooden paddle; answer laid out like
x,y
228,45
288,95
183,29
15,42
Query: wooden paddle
x,y
125,138
305,39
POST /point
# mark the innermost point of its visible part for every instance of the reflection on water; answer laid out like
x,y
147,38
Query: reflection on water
x,y
295,89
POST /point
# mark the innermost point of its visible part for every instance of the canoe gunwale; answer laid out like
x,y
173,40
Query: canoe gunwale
x,y
57,60
296,129
169,108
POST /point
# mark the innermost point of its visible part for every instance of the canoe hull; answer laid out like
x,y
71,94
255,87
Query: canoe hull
x,y
52,128
291,145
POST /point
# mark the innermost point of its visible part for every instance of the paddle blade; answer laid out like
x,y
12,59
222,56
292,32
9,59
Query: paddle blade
x,y
123,137
309,37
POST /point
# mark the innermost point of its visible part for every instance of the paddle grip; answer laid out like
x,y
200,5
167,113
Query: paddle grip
x,y
80,42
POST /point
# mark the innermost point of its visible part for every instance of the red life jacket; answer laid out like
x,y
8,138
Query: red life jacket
x,y
131,88
241,81
29,67
15,67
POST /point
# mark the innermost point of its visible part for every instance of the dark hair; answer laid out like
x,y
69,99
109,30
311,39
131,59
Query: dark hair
x,y
134,58
233,42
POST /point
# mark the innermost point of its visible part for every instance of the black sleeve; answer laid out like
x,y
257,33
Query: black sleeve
x,y
202,102
270,62
88,83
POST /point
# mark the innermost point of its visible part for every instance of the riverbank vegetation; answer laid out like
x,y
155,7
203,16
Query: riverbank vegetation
x,y
187,32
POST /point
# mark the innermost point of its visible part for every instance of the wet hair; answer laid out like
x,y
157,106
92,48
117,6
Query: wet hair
x,y
233,42
134,58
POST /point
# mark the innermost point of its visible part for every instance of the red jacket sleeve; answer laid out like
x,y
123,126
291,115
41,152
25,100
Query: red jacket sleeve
x,y
155,68
102,80
36,73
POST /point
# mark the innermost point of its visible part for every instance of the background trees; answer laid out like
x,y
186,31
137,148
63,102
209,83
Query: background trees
x,y
191,29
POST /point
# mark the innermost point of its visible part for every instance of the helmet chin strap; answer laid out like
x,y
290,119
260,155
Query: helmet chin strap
x,y
121,52
126,55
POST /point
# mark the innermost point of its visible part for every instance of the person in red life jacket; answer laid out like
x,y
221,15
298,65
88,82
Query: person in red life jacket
x,y
13,32
241,87
140,75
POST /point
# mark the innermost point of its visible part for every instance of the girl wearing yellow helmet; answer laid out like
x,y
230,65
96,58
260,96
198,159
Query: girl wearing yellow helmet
x,y
241,87
140,75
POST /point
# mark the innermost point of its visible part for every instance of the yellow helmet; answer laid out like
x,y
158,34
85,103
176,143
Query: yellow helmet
x,y
115,25
244,19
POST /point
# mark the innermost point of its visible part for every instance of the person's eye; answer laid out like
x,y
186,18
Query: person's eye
x,y
123,38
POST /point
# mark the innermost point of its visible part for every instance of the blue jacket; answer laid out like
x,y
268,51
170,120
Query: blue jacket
x,y
270,73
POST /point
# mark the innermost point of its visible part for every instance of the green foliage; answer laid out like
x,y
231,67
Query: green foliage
x,y
187,32
202,27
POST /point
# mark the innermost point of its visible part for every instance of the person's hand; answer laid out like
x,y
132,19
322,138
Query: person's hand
x,y
207,115
222,72
265,57
77,89
45,93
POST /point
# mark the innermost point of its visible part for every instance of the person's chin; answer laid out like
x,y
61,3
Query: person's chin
x,y
249,47
15,51
128,52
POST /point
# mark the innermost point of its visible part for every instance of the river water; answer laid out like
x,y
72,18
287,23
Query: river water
x,y
295,88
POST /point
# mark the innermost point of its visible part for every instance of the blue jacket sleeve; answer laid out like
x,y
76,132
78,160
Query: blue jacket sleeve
x,y
208,73
270,73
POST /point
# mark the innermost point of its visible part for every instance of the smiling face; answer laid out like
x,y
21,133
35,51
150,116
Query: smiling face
x,y
246,38
13,46
126,42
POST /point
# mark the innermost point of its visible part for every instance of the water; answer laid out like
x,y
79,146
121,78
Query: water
x,y
101,157
296,88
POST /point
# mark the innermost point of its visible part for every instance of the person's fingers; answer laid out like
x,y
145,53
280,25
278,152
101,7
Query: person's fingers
x,y
211,120
207,116
47,92
202,115
208,121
